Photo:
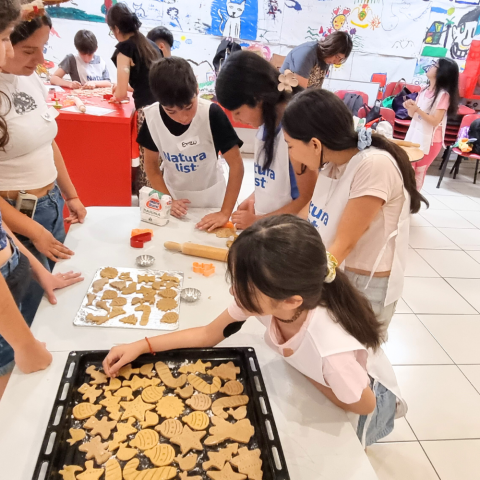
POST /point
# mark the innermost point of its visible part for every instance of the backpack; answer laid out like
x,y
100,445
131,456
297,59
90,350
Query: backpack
x,y
354,102
474,132
225,48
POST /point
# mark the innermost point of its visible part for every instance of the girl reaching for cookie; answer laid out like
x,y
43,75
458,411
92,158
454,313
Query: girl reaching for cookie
x,y
313,317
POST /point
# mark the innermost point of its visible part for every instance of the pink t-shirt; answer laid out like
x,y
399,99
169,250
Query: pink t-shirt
x,y
443,104
345,373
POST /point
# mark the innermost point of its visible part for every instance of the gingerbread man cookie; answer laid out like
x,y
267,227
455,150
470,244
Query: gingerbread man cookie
x,y
100,427
96,449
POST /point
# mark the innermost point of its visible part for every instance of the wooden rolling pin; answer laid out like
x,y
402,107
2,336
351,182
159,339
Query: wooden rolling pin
x,y
80,105
203,251
405,143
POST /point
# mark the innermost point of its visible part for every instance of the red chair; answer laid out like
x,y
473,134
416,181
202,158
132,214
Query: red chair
x,y
466,122
341,94
387,113
391,86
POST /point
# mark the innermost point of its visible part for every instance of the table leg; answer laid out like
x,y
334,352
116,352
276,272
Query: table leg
x,y
444,165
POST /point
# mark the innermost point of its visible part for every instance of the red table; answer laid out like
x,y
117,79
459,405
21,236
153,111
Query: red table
x,y
98,152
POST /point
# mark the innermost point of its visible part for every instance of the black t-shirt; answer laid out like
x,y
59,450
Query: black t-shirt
x,y
142,94
224,135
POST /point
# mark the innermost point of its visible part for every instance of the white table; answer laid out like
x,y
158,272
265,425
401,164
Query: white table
x,y
317,439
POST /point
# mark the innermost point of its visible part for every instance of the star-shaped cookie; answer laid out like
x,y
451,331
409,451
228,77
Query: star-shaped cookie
x,y
136,408
189,440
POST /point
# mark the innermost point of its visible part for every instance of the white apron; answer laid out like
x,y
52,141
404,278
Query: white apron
x,y
272,186
190,163
326,208
325,337
421,131
89,72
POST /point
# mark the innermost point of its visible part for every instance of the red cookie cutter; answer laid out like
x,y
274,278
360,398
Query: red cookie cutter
x,y
137,241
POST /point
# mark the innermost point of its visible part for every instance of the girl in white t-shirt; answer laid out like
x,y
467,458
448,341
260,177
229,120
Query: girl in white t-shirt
x,y
313,316
249,87
363,198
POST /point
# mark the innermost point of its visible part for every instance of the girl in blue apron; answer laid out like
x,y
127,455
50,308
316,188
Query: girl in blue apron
x,y
313,317
363,198
250,88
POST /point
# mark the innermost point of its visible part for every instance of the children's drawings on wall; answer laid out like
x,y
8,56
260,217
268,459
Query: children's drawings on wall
x,y
450,31
234,18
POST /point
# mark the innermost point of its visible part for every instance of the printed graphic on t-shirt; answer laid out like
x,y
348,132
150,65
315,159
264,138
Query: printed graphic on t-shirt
x,y
317,215
185,163
263,175
23,103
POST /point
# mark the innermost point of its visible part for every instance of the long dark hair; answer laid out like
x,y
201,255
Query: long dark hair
x,y
320,114
333,44
282,256
24,30
248,79
447,80
126,21
9,13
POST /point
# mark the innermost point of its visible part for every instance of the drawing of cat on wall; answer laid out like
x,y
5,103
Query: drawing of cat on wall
x,y
138,9
232,23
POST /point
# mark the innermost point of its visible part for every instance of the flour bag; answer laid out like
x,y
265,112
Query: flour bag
x,y
154,206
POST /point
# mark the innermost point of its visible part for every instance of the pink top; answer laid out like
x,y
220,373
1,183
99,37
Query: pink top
x,y
345,373
443,104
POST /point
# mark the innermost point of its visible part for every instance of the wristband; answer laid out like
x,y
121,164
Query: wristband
x,y
149,346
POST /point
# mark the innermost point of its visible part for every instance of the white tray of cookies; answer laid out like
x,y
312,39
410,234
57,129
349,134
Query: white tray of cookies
x,y
132,298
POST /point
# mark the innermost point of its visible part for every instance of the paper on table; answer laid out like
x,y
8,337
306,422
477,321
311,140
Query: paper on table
x,y
91,110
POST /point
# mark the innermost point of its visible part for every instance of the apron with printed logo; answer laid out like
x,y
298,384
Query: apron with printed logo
x,y
328,203
89,72
191,168
421,131
272,185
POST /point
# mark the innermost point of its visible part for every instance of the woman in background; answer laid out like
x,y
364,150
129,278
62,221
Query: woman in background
x,y
310,61
134,56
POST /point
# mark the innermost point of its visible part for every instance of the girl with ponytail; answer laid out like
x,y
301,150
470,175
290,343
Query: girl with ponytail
x,y
249,87
281,273
363,198
134,56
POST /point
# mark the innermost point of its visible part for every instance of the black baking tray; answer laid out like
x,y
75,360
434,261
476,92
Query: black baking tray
x,y
55,452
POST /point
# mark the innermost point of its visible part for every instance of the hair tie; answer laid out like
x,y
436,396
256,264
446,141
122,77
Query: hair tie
x,y
364,138
332,264
31,10
287,80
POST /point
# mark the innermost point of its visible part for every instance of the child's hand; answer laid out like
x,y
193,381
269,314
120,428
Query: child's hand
x,y
248,204
121,355
76,85
242,219
51,282
89,86
33,357
47,244
212,221
180,207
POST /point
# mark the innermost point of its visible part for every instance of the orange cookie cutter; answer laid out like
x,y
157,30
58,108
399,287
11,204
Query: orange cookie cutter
x,y
139,231
205,269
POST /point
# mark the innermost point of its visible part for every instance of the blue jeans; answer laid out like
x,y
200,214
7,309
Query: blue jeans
x,y
49,214
17,274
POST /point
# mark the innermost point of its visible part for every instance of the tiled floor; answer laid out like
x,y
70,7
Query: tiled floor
x,y
434,343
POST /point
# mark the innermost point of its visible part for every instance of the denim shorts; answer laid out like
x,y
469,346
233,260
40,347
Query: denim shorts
x,y
17,273
380,422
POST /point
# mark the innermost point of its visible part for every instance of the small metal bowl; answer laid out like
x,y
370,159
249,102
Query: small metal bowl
x,y
145,261
190,295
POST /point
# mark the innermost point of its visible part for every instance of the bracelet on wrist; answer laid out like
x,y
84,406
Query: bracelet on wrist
x,y
149,346
71,198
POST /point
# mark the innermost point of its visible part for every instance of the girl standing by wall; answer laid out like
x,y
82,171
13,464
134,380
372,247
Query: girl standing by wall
x,y
134,56
429,113
363,198
248,86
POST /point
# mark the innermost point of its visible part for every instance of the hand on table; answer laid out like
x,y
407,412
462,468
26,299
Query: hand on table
x,y
76,85
212,221
47,244
242,219
77,211
33,357
121,355
51,282
179,207
89,86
